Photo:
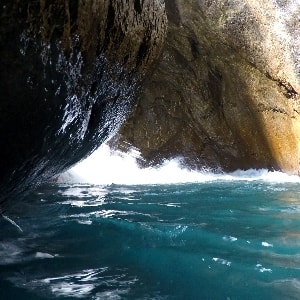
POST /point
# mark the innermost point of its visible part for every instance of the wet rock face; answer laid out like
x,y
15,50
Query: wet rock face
x,y
225,92
69,74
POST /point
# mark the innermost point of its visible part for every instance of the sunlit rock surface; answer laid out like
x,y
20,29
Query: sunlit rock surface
x,y
226,90
69,74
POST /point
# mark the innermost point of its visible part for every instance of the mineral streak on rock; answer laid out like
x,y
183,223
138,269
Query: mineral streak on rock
x,y
225,92
69,74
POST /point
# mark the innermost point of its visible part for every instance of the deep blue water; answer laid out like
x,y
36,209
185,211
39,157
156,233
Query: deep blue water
x,y
213,240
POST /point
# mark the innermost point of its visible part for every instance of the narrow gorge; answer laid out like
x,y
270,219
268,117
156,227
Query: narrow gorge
x,y
213,82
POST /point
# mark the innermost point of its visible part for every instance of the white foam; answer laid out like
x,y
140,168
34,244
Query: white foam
x,y
266,244
43,255
262,269
106,166
85,284
229,238
222,261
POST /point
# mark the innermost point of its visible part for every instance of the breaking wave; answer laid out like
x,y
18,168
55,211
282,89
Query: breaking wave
x,y
107,166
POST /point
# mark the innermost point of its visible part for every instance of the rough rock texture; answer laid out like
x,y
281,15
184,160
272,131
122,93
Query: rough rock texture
x,y
226,89
69,71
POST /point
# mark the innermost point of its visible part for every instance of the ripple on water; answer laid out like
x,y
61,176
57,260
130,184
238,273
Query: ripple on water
x,y
101,283
10,253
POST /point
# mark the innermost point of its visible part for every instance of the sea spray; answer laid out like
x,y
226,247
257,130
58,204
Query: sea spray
x,y
107,166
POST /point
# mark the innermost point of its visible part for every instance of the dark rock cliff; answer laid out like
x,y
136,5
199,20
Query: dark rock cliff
x,y
225,92
69,72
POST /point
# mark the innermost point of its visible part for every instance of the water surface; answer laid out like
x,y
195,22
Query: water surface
x,y
220,239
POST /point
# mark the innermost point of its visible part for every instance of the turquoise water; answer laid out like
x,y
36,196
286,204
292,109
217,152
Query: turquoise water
x,y
212,240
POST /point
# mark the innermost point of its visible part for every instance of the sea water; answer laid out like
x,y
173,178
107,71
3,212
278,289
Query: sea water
x,y
110,230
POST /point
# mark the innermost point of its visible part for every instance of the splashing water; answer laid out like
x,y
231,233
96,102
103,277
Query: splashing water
x,y
205,236
106,166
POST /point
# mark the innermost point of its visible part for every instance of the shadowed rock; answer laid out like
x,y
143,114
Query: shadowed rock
x,y
69,74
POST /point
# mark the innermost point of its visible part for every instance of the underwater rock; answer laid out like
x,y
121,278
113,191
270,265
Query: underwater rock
x,y
225,92
70,71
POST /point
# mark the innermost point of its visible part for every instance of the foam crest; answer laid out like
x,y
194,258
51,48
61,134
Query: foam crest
x,y
106,166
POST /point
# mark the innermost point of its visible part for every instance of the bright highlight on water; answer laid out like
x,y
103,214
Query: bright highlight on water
x,y
119,236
